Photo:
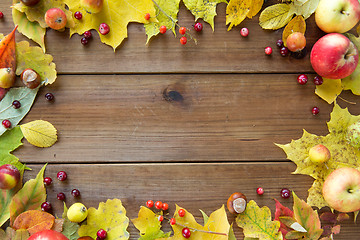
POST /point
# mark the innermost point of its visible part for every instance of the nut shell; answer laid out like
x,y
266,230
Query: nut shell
x,y
30,78
236,203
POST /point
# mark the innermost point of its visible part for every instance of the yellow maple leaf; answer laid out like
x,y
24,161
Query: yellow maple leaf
x,y
238,10
116,13
110,216
39,133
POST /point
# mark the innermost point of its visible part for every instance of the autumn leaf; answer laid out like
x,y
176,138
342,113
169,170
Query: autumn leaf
x,y
30,197
329,89
297,24
69,229
352,82
256,223
39,133
34,221
148,225
110,216
117,14
23,94
304,8
275,16
238,10
204,9
7,52
10,141
342,153
281,211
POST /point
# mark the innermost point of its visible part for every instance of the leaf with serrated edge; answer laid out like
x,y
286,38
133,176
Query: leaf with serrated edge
x,y
275,16
297,24
39,133
30,197
236,12
23,94
329,90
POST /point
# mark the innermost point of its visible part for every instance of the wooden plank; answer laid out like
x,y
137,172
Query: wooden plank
x,y
192,186
126,118
220,51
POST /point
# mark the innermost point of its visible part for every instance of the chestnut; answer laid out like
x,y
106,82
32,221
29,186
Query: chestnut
x,y
236,203
30,78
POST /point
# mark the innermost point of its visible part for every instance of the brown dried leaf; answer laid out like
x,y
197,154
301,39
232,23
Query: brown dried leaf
x,y
58,225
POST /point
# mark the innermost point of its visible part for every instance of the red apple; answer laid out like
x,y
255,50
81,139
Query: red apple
x,y
92,6
319,154
55,18
48,235
9,176
334,56
337,15
341,189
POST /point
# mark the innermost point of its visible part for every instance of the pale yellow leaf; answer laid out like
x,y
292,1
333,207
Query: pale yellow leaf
x,y
255,8
329,90
39,133
275,16
236,12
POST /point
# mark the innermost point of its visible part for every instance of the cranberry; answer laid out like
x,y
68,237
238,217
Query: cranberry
x,y
280,43
260,191
87,34
284,51
84,41
61,176
16,104
6,123
302,79
285,193
181,212
46,206
49,96
47,181
1,15
268,50
244,32
186,232
318,80
315,110
60,196
75,193
78,15
198,27
150,203
101,234
104,29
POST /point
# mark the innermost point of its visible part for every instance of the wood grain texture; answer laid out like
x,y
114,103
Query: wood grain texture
x,y
125,118
192,186
220,51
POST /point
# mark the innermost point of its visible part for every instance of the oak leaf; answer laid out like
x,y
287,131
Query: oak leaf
x,y
342,153
275,16
256,223
117,14
238,10
148,225
39,133
297,24
110,216
34,221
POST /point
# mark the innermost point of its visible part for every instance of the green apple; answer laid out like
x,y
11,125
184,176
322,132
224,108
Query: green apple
x,y
341,189
7,77
337,15
92,6
319,154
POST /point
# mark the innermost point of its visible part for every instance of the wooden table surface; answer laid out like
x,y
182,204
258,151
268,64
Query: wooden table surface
x,y
122,136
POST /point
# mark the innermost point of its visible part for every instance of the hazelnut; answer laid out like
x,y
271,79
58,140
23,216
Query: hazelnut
x,y
236,203
30,78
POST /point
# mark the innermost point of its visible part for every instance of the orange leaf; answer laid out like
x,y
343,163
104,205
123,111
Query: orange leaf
x,y
7,51
34,221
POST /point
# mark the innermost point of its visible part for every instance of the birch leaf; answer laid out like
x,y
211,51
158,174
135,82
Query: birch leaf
x,y
39,133
275,16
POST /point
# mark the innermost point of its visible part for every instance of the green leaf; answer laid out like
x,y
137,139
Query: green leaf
x,y
204,9
30,197
23,94
206,217
256,223
352,82
275,16
304,8
32,30
329,90
70,229
231,233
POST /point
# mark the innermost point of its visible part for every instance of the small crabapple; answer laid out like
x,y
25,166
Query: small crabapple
x,y
55,18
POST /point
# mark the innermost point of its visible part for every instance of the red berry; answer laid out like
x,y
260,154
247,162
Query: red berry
x,y
1,15
198,27
84,41
158,205
182,30
147,16
61,176
186,232
280,43
315,110
46,206
181,212
60,196
244,32
16,104
104,29
165,206
47,181
49,96
172,221
302,79
284,51
183,40
318,80
162,29
160,218
260,191
102,234
268,50
75,193
87,34
150,203
78,15
285,193
6,123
